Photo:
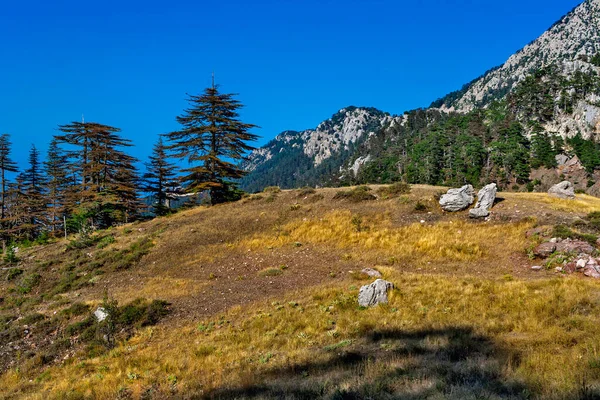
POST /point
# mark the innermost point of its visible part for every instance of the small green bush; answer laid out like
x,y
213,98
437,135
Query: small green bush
x,y
356,195
305,191
106,241
272,189
14,273
394,190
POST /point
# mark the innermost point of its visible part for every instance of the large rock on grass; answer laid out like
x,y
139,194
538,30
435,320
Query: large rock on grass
x,y
485,200
563,190
375,293
457,199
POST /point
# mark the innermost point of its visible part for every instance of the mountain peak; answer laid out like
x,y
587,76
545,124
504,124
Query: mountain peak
x,y
575,35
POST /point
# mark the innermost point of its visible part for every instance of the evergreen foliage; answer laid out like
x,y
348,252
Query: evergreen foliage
x,y
160,178
213,140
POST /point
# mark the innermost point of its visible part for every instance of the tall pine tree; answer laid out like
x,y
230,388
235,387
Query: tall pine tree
x,y
34,198
6,165
160,178
107,189
213,140
57,185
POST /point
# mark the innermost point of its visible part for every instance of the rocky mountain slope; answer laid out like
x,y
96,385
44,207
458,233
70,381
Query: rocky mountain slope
x,y
575,36
551,87
313,156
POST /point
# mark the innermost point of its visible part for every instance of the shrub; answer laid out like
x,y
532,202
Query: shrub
x,y
356,195
75,309
272,189
270,272
564,232
421,207
394,190
10,256
28,283
105,241
14,273
305,191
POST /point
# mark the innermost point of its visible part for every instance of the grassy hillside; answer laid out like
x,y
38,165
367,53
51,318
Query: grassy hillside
x,y
257,299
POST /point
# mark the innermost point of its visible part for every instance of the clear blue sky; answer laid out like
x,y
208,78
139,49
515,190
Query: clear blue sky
x,y
294,63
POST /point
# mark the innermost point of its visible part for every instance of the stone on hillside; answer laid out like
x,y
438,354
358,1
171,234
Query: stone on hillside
x,y
561,159
593,271
485,200
373,273
375,293
101,314
487,196
563,190
478,213
545,249
574,246
457,199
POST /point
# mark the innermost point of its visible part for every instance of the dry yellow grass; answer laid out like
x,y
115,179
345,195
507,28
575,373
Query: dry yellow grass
x,y
582,203
159,287
456,335
452,241
541,335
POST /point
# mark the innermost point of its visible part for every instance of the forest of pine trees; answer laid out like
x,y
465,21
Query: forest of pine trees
x,y
88,180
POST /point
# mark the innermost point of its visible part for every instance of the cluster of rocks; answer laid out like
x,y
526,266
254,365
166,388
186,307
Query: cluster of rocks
x,y
461,199
581,259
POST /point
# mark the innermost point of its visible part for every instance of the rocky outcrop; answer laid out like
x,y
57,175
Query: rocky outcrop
x,y
546,249
563,190
485,200
457,199
375,293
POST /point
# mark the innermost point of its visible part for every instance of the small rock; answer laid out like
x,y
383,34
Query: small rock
x,y
581,263
558,269
563,190
375,293
537,268
479,213
545,249
373,273
554,240
101,314
593,271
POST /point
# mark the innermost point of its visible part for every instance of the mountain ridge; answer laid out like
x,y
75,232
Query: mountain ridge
x,y
553,84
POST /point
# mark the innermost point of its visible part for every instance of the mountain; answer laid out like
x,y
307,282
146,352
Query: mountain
x,y
576,36
544,101
314,156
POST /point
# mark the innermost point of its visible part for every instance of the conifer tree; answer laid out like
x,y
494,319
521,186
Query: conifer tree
x,y
57,185
6,165
34,200
107,189
213,140
160,178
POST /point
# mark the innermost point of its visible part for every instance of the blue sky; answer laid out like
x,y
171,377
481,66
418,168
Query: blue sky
x,y
294,63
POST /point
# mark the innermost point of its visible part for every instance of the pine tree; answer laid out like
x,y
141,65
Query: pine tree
x,y
57,185
34,199
213,140
107,188
160,178
6,165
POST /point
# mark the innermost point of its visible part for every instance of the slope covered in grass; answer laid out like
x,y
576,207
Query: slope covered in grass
x,y
261,302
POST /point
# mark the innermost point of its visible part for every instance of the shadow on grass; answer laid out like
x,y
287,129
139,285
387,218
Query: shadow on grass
x,y
450,363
